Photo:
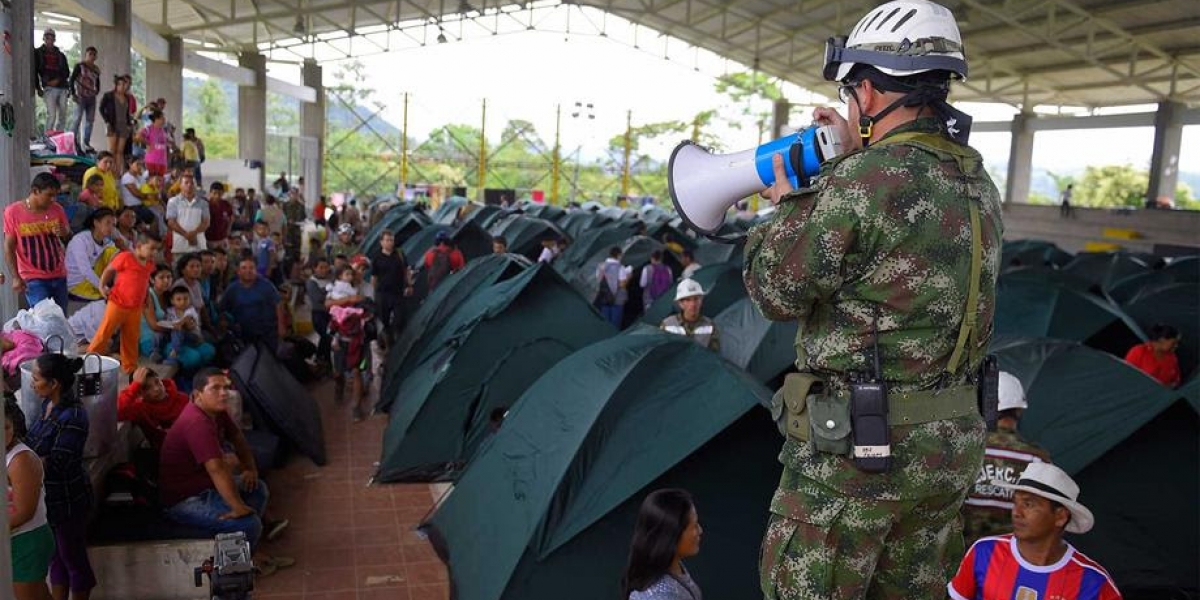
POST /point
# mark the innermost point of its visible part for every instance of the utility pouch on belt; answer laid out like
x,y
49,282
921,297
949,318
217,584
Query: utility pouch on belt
x,y
792,398
829,423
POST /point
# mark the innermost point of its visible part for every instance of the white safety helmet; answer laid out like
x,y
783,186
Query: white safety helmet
x,y
900,38
687,289
1012,394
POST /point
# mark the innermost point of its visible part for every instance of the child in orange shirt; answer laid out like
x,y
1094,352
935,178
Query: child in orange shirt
x,y
126,299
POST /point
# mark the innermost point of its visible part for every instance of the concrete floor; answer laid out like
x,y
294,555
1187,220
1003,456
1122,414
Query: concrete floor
x,y
350,541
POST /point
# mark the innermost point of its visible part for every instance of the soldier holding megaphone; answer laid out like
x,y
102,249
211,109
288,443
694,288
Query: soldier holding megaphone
x,y
888,258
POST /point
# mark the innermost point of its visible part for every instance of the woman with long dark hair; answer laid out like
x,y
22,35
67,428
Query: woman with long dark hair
x,y
32,540
667,531
58,438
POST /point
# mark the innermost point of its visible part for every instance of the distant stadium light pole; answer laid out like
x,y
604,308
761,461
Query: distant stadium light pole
x,y
483,152
404,150
581,109
556,166
628,151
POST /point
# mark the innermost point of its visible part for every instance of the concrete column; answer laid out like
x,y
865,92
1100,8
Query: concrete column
x,y
779,118
16,83
312,125
252,113
1020,159
1164,161
165,80
112,56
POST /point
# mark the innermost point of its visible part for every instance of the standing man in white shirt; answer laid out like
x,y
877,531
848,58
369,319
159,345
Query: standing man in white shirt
x,y
187,218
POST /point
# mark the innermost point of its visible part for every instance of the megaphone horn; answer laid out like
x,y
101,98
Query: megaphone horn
x,y
704,185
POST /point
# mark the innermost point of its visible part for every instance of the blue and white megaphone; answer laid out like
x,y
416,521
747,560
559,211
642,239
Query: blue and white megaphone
x,y
704,185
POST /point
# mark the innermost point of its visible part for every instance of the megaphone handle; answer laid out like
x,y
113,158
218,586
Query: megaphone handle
x,y
731,238
795,162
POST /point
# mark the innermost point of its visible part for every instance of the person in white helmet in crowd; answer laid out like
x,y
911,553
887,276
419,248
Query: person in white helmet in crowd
x,y
1034,562
988,506
892,252
689,297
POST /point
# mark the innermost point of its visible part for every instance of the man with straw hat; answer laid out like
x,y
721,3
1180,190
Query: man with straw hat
x,y
1034,562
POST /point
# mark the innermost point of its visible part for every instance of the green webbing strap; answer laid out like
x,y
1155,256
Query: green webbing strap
x,y
966,330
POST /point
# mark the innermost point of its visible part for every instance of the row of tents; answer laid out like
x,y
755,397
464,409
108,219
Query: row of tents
x,y
553,425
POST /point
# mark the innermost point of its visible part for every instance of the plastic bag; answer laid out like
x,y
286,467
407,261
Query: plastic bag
x,y
44,320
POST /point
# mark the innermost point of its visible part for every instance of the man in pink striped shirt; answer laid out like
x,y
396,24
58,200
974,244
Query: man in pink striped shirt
x,y
34,232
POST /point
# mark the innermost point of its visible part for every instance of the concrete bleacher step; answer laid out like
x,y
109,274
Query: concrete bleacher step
x,y
149,570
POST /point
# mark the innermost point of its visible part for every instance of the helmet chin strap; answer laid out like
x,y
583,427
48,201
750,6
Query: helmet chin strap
x,y
918,97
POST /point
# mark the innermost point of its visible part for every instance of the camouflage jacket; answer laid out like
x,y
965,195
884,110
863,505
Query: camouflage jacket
x,y
883,231
295,212
886,231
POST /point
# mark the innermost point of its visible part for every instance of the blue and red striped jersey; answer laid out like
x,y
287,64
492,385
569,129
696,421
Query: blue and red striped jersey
x,y
994,570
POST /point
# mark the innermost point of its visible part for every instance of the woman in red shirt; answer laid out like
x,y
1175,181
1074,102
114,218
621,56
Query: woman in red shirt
x,y
1157,356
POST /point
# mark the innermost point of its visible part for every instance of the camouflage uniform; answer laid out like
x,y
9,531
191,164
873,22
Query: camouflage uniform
x,y
988,509
703,331
883,231
295,213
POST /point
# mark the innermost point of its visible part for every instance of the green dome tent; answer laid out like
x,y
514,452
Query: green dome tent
x,y
635,253
1033,253
663,232
480,273
472,241
765,349
587,244
402,220
1184,268
483,215
525,234
1177,305
447,211
1048,275
546,509
1128,289
1081,401
652,214
1130,444
545,211
709,252
576,222
1104,268
723,286
1032,308
497,343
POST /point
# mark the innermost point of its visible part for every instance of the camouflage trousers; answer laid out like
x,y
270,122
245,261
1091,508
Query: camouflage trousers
x,y
828,545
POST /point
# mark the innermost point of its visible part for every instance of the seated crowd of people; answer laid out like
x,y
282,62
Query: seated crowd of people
x,y
167,288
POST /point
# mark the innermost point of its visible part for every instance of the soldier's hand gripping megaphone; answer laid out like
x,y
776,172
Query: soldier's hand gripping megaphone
x,y
704,185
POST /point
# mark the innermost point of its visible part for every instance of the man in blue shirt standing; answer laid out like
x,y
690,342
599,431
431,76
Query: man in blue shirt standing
x,y
253,307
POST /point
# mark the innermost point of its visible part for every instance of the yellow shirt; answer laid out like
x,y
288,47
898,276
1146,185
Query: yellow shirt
x,y
109,196
191,153
151,193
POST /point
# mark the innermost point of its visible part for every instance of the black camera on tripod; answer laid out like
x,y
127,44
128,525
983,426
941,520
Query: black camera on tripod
x,y
230,570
